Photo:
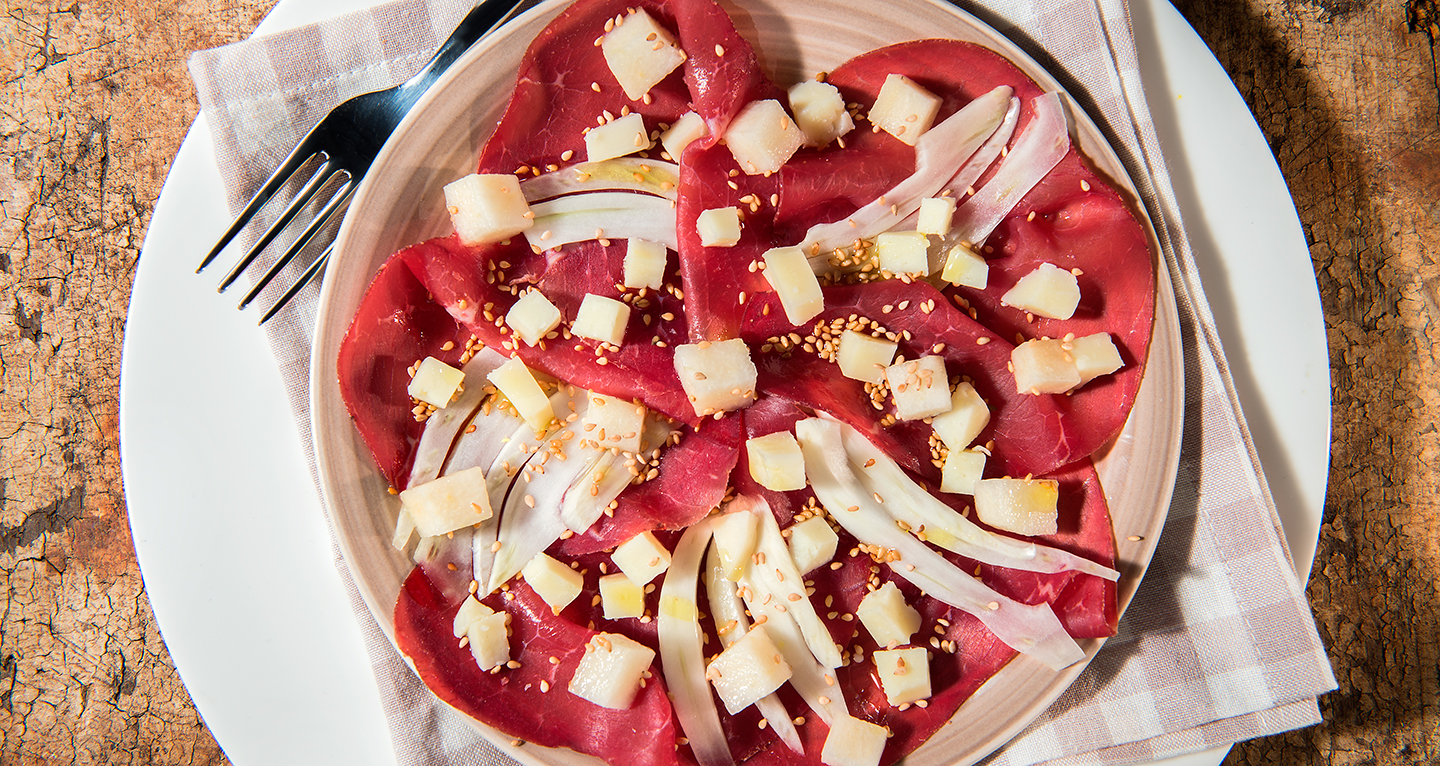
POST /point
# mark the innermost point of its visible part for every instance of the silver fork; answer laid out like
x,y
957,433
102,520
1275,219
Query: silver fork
x,y
344,144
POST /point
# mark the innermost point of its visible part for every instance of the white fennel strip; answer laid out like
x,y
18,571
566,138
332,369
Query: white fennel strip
x,y
774,572
446,560
603,215
625,173
909,502
938,155
970,172
610,477
442,427
531,519
815,682
728,612
1031,630
1041,146
682,651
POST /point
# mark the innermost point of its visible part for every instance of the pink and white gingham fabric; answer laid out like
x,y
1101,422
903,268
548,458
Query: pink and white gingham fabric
x,y
1219,646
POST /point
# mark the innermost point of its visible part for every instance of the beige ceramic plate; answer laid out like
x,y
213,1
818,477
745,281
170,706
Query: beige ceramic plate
x,y
401,203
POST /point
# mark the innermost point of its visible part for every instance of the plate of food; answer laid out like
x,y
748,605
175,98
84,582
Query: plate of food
x,y
828,337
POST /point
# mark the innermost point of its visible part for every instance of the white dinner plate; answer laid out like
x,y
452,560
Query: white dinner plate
x,y
230,535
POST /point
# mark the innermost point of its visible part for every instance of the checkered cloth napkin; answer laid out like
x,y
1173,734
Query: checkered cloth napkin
x,y
1220,645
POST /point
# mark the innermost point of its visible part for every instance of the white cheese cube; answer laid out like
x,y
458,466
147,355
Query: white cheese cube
x,y
685,131
487,208
617,138
965,267
748,670
967,417
718,227
531,317
602,319
1048,291
776,461
448,503
904,674
645,263
620,597
864,358
642,558
553,581
470,610
812,543
936,213
853,742
962,469
735,537
610,672
819,110
518,385
490,640
889,620
717,376
762,137
904,252
640,53
904,109
1044,367
1023,506
1095,355
613,423
435,383
920,387
788,271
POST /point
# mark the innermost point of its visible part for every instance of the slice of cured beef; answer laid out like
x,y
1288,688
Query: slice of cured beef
x,y
512,700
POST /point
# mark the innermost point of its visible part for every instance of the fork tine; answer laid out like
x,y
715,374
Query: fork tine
x,y
298,157
305,278
321,176
341,196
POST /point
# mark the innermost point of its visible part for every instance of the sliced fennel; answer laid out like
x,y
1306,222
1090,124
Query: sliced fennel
x,y
938,154
633,173
815,682
603,215
444,425
609,477
531,519
970,172
682,651
446,560
909,502
781,588
728,612
1031,630
1039,149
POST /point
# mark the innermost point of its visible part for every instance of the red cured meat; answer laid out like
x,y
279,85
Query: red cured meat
x,y
1091,231
717,277
641,371
394,328
643,735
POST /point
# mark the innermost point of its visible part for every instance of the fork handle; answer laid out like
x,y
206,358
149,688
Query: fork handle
x,y
485,16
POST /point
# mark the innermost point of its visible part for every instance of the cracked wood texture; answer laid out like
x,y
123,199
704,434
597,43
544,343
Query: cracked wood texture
x,y
96,102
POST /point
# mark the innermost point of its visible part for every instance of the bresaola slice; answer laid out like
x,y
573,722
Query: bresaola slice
x,y
513,700
395,326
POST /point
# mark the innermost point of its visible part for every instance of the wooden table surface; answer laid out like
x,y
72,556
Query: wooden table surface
x,y
97,100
